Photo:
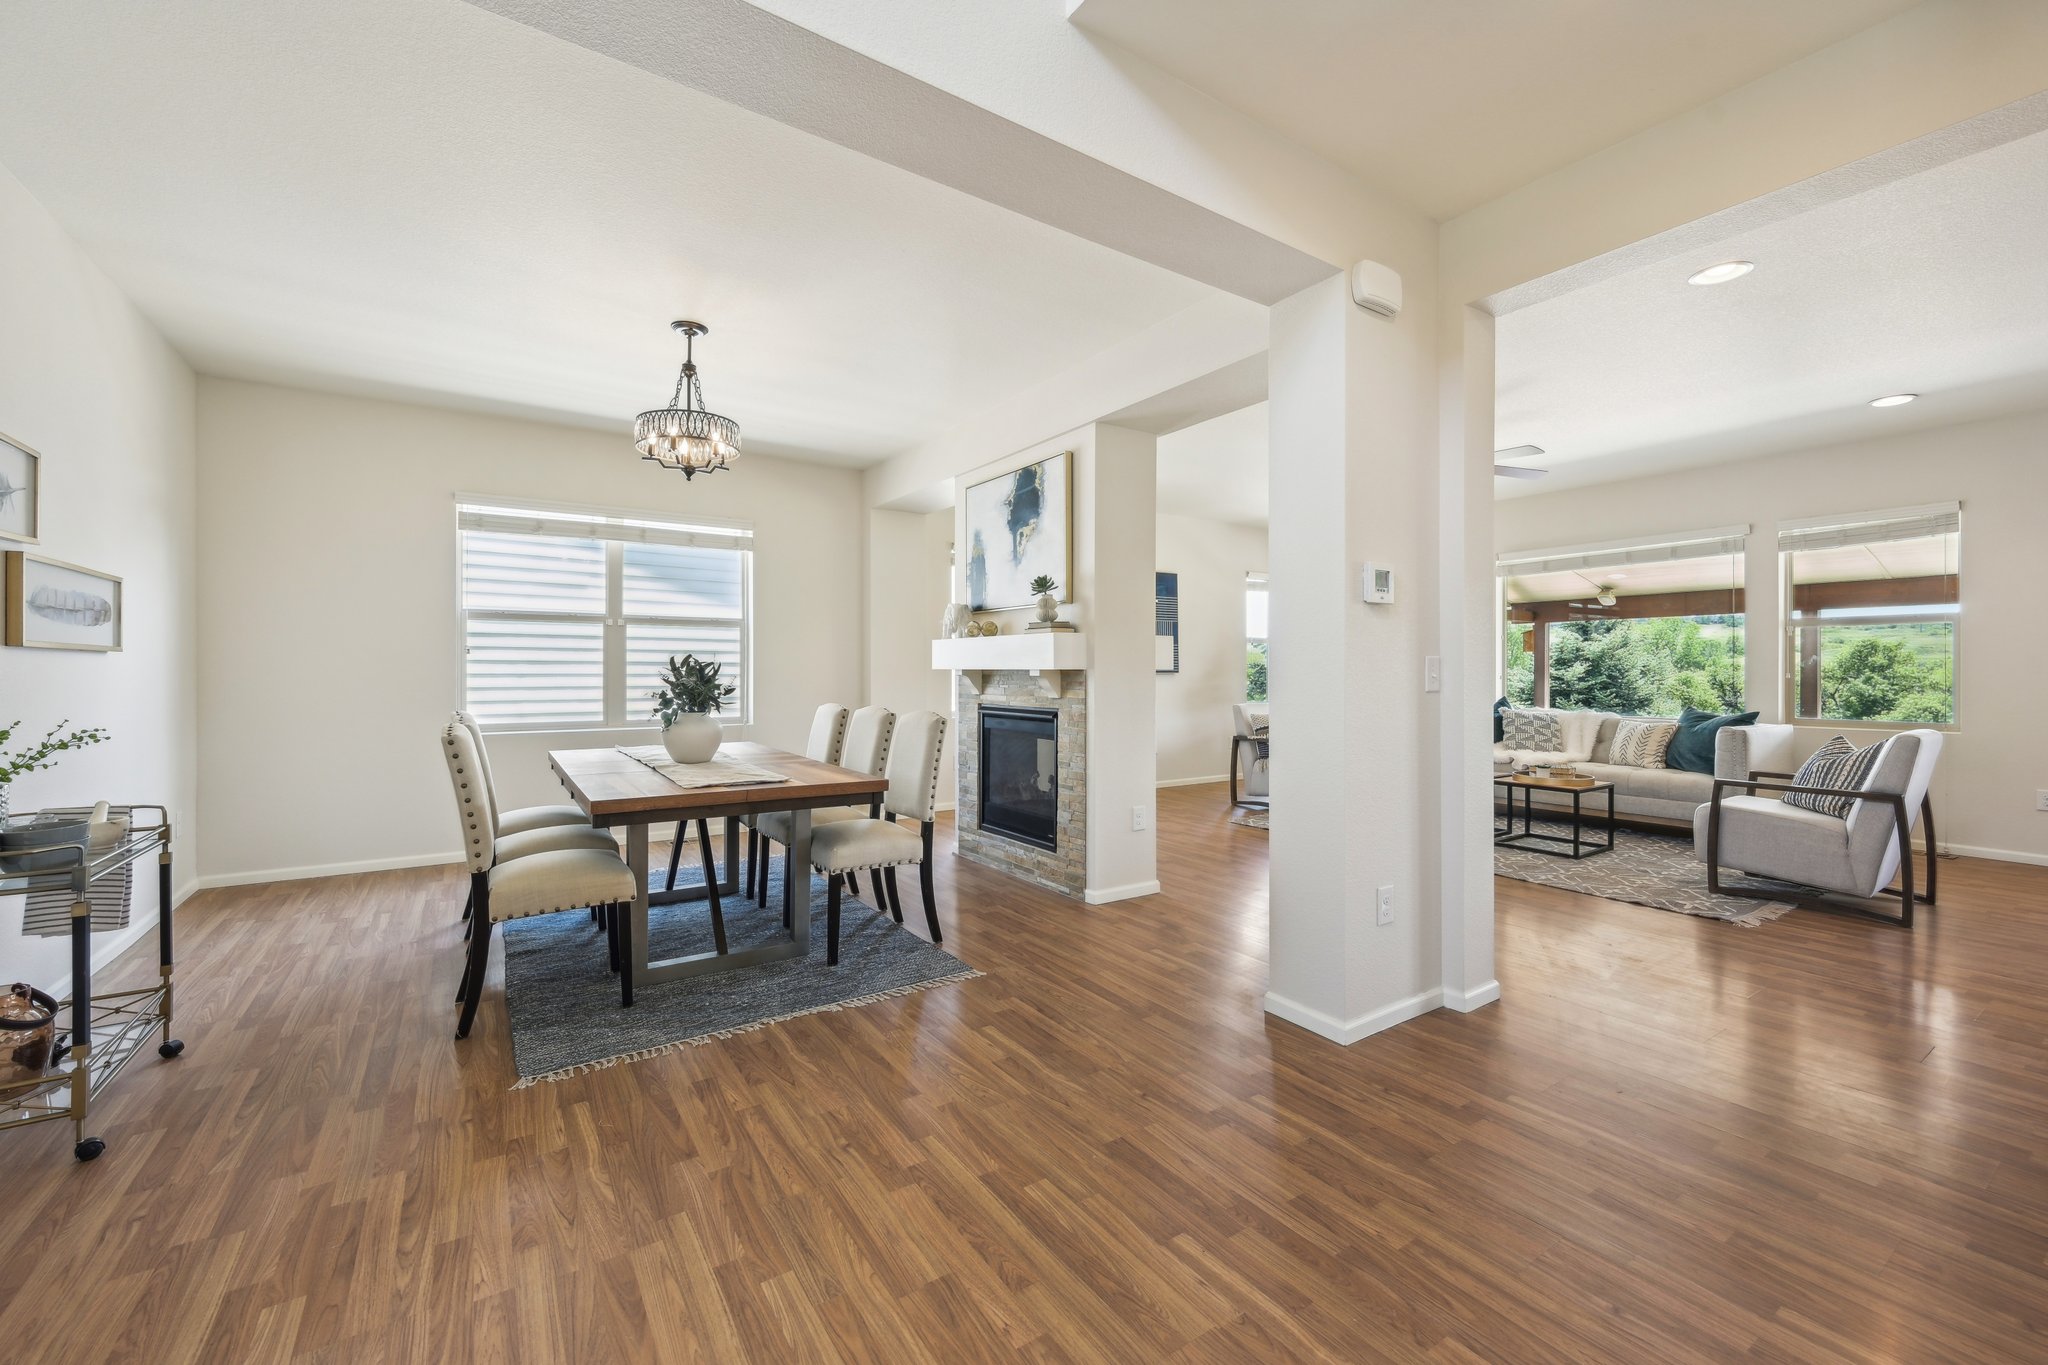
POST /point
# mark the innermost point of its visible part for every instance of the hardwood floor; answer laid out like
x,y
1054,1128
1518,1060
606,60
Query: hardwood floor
x,y
1672,1140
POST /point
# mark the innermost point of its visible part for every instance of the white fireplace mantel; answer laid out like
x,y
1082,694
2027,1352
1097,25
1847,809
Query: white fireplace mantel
x,y
1046,654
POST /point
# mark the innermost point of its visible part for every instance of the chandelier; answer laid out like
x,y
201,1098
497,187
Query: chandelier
x,y
683,435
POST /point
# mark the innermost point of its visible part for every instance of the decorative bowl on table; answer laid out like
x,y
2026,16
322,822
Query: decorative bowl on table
x,y
42,831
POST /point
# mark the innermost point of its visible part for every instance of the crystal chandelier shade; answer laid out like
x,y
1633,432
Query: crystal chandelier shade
x,y
683,435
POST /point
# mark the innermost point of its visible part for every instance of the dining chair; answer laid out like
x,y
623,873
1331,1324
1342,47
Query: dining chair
x,y
862,844
542,829
524,818
866,750
828,738
536,883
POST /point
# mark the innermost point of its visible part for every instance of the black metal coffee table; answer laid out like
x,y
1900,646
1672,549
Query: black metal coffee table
x,y
1532,841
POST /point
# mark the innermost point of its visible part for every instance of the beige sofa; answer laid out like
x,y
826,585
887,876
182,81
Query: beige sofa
x,y
1668,794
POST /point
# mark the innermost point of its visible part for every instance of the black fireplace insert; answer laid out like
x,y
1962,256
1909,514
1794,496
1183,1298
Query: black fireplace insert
x,y
1020,774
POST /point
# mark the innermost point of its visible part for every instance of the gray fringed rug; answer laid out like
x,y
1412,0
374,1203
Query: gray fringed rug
x,y
1656,870
1252,817
564,1001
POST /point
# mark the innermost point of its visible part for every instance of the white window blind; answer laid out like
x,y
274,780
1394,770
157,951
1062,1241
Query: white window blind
x,y
1728,540
570,616
1870,528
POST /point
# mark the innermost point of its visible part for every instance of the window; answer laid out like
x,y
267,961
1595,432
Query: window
x,y
1255,601
568,617
1875,609
1638,627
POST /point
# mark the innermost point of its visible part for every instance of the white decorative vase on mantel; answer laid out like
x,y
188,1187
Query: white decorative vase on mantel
x,y
1048,608
694,738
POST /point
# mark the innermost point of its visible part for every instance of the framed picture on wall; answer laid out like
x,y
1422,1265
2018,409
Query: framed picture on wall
x,y
21,492
1166,623
49,604
1020,525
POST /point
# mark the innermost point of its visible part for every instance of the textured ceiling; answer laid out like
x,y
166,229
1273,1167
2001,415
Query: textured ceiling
x,y
423,199
1447,105
1936,284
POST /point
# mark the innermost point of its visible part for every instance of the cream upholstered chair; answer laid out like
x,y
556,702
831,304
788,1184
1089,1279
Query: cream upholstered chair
x,y
1249,777
866,750
540,829
851,845
1854,855
532,884
525,818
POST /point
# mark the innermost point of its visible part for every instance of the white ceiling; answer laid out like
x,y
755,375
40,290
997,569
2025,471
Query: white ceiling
x,y
420,198
1448,105
1936,284
1216,469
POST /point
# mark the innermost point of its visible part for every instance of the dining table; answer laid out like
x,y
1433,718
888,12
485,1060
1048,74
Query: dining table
x,y
617,790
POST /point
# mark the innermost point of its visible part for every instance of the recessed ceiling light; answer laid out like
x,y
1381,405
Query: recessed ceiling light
x,y
1893,400
1722,273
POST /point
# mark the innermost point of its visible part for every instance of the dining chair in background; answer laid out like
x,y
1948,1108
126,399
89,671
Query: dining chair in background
x,y
866,750
865,844
532,883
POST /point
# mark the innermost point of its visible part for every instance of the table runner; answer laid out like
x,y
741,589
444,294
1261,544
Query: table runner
x,y
719,772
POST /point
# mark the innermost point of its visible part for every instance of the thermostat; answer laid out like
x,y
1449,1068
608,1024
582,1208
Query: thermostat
x,y
1376,583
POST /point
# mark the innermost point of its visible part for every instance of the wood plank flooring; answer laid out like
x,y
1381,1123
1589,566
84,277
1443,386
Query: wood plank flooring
x,y
1673,1140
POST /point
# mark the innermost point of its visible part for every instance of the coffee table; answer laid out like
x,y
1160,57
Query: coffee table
x,y
1576,846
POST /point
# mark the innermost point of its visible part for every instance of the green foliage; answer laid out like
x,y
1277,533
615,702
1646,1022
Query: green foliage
x,y
1255,671
690,686
1644,667
1042,585
43,753
1883,677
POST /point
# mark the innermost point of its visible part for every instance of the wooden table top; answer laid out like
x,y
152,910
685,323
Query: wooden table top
x,y
1562,784
614,788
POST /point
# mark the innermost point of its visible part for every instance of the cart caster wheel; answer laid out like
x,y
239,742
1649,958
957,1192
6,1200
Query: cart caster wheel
x,y
170,1049
88,1149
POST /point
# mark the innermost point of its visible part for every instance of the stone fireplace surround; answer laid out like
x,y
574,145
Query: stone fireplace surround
x,y
1065,868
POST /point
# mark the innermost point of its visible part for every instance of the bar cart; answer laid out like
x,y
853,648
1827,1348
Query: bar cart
x,y
107,1030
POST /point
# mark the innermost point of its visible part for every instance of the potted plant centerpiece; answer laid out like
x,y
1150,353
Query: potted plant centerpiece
x,y
689,694
1048,605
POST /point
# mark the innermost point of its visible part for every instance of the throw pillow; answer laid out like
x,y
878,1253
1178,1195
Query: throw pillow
x,y
1536,731
1498,707
1641,743
1838,764
1692,748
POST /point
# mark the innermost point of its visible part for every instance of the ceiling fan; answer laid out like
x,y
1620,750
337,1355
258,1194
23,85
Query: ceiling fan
x,y
1511,471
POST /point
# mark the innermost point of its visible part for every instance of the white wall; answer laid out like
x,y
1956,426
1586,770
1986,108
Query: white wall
x,y
331,642
1995,760
88,383
909,573
1192,717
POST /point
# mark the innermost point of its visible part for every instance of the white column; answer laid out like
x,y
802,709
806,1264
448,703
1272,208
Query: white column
x,y
1355,753
1115,525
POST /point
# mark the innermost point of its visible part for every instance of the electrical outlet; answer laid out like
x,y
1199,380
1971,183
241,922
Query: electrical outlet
x,y
1385,914
1433,674
1140,818
2041,800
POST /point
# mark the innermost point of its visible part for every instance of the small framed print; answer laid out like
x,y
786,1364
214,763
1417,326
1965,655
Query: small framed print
x,y
21,492
53,605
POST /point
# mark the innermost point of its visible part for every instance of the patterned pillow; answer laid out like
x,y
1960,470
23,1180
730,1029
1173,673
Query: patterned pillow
x,y
1838,764
1537,731
1641,743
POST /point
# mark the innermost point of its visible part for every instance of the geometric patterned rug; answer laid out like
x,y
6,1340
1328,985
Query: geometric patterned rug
x,y
1251,817
1656,870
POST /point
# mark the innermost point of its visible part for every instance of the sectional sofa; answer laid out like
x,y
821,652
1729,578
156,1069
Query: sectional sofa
x,y
1656,794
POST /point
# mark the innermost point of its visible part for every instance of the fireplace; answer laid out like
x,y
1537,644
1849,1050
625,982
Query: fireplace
x,y
1020,781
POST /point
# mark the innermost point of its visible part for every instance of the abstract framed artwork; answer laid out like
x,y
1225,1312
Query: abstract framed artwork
x,y
53,605
21,492
1166,623
1019,525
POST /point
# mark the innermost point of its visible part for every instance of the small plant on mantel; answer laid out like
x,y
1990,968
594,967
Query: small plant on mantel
x,y
41,754
1048,605
1042,585
690,691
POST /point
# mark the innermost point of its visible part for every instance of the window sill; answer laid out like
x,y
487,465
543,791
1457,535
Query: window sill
x,y
1949,728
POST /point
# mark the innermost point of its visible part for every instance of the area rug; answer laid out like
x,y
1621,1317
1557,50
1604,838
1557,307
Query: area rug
x,y
564,1001
1656,870
1251,818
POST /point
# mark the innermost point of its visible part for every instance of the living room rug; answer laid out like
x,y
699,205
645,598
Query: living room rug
x,y
1655,870
1252,818
564,1001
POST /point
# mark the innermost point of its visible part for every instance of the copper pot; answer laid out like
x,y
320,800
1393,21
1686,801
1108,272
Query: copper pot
x,y
28,1034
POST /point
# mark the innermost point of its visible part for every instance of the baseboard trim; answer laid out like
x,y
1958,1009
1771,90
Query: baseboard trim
x,y
1192,781
1997,855
300,874
1104,895
1348,1032
1464,1002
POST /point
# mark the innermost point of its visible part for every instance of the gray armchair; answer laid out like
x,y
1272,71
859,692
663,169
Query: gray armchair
x,y
1857,855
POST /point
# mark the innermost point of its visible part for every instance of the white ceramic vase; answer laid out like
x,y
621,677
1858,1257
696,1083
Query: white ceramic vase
x,y
1048,607
694,738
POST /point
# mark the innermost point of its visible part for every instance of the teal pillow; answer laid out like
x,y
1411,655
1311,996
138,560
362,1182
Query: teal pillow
x,y
1692,748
